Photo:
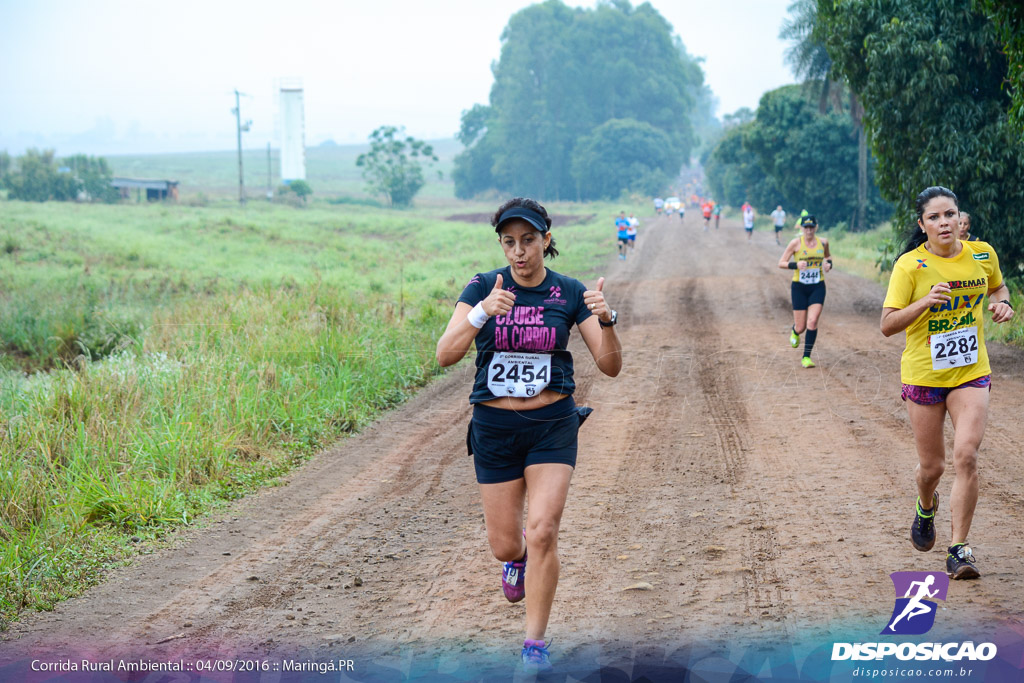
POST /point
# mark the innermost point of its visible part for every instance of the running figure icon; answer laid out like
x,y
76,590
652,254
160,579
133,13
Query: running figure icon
x,y
916,607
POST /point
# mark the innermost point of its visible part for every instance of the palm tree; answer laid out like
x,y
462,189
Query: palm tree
x,y
810,62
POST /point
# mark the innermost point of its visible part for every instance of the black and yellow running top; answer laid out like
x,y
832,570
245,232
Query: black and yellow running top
x,y
814,257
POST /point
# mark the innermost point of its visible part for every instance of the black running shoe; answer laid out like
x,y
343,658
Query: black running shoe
x,y
922,531
960,562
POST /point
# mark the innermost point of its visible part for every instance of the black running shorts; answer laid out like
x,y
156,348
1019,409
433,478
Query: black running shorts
x,y
805,295
505,442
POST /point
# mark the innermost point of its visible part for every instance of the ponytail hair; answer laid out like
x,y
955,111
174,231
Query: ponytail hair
x,y
916,236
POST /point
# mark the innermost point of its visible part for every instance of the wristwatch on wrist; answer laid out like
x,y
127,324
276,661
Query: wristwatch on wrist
x,y
615,319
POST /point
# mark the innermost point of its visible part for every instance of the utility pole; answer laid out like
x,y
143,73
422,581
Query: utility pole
x,y
237,111
270,193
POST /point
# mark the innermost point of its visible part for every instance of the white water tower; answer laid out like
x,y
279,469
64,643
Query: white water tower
x,y
293,129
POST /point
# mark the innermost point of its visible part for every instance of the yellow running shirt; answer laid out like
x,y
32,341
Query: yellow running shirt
x,y
813,273
946,344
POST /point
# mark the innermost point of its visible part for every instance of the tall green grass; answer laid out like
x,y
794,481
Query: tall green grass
x,y
867,254
158,360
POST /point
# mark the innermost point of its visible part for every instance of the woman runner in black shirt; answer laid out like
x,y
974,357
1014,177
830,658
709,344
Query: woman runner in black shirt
x,y
523,434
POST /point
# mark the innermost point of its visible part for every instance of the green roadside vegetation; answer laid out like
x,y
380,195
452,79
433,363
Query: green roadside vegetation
x,y
158,360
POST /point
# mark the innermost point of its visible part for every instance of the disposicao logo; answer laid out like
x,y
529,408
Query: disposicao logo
x,y
921,263
914,614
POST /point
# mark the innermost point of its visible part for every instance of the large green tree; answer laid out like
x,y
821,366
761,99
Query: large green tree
x,y
94,175
562,73
394,165
734,175
931,74
1008,18
811,157
623,154
791,153
808,56
472,172
36,176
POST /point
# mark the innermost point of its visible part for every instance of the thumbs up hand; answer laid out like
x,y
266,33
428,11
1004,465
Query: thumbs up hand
x,y
499,301
594,300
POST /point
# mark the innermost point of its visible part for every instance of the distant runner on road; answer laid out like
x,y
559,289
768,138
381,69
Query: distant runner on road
x,y
622,234
634,224
717,213
935,293
523,433
779,220
659,204
811,260
706,209
748,219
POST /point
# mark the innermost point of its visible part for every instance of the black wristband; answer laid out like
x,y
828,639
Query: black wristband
x,y
792,265
1007,302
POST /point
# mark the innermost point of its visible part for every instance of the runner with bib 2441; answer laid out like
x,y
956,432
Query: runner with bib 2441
x,y
936,293
811,260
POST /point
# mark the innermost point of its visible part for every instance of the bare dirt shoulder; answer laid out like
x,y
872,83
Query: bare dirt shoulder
x,y
722,492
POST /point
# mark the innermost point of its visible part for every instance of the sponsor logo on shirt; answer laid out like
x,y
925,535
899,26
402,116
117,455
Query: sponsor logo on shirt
x,y
555,296
964,284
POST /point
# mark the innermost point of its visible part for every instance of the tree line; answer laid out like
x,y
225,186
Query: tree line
x,y
933,89
38,176
937,88
793,153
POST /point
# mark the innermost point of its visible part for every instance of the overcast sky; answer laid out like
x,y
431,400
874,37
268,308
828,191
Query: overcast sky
x,y
120,76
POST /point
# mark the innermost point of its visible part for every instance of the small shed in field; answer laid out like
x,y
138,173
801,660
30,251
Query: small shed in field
x,y
156,190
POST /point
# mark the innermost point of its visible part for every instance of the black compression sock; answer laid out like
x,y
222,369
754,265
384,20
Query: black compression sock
x,y
809,342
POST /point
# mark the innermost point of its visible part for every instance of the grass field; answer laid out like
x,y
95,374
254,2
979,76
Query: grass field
x,y
158,359
331,171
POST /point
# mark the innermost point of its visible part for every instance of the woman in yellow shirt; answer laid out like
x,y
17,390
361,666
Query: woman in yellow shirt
x,y
811,260
935,293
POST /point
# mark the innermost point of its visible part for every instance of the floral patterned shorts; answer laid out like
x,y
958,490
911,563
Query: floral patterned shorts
x,y
929,396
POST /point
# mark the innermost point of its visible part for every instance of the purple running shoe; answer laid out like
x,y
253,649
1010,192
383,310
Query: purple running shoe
x,y
513,580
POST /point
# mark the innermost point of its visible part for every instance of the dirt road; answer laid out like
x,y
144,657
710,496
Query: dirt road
x,y
754,496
